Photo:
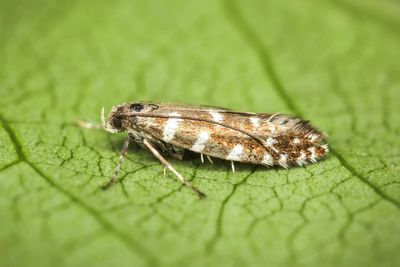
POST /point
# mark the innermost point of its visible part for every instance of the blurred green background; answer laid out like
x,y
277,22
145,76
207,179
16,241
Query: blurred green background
x,y
334,62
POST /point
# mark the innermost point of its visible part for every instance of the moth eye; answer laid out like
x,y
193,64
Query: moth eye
x,y
136,107
116,123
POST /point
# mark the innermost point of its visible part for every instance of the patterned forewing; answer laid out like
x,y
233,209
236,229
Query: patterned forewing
x,y
207,138
246,137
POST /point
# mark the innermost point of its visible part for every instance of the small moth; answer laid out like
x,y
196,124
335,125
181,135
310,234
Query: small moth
x,y
256,138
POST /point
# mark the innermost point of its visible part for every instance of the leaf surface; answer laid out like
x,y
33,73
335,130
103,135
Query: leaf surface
x,y
332,62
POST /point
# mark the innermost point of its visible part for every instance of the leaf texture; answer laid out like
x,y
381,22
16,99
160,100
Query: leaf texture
x,y
333,62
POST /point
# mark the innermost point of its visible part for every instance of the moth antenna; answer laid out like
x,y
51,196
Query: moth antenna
x,y
88,125
103,119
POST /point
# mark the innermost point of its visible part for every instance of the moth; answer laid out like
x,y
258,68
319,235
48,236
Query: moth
x,y
255,138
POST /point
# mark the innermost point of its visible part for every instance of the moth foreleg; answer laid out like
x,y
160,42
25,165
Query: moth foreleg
x,y
169,167
124,151
233,166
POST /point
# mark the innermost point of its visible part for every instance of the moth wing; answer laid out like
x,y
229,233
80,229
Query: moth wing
x,y
209,107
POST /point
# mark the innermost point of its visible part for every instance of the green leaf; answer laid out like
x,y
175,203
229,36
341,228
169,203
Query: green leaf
x,y
333,62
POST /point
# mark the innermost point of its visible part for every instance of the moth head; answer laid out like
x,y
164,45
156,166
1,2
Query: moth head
x,y
124,116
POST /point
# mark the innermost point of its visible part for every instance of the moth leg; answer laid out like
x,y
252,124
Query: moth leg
x,y
88,125
233,166
169,167
201,157
164,171
209,159
122,154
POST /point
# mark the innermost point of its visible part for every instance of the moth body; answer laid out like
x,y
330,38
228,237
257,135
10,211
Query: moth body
x,y
256,138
